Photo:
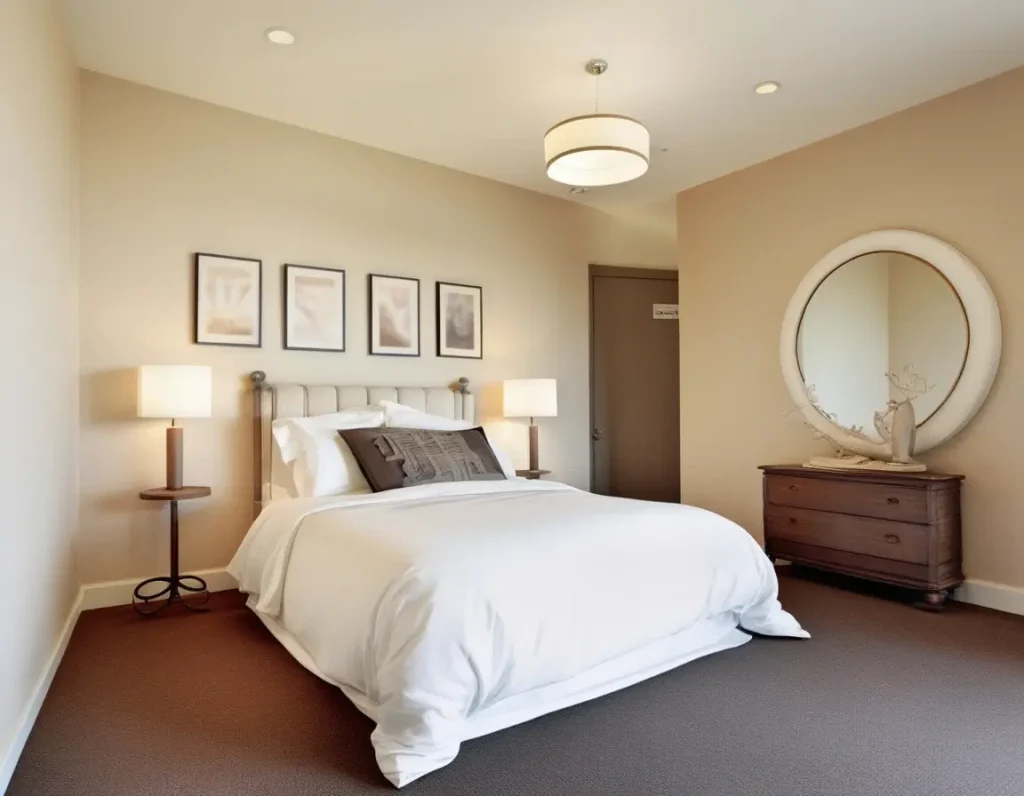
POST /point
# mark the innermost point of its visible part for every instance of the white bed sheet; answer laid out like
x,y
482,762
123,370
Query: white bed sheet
x,y
451,610
705,638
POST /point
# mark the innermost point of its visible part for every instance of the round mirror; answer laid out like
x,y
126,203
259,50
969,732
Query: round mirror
x,y
877,314
886,314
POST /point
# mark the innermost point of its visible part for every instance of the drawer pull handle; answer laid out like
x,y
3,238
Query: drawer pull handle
x,y
893,501
892,538
793,487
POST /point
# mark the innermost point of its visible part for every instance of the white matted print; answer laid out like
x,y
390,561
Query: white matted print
x,y
394,316
314,308
228,300
460,321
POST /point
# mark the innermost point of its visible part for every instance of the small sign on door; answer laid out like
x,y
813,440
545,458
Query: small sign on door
x,y
666,312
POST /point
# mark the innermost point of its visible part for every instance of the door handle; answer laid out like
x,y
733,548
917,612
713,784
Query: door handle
x,y
597,435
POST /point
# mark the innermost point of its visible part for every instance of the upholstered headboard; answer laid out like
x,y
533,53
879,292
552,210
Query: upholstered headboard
x,y
273,401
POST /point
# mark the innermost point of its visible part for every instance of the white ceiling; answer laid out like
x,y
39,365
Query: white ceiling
x,y
473,84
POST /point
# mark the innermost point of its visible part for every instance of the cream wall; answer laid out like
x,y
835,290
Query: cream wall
x,y
39,355
618,240
953,168
164,176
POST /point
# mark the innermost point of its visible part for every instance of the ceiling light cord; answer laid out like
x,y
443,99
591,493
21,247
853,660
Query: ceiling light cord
x,y
596,67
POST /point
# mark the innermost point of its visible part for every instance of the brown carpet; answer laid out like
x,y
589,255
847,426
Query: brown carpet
x,y
883,700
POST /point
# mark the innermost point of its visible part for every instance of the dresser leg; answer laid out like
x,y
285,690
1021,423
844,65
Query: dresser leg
x,y
934,600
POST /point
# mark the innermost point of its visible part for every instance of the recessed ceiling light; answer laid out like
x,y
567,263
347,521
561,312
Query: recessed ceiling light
x,y
768,87
280,36
577,190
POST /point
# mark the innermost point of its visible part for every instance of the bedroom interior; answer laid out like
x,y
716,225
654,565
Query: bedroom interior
x,y
761,338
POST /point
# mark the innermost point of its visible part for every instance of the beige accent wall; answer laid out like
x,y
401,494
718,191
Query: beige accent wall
x,y
39,350
164,176
953,168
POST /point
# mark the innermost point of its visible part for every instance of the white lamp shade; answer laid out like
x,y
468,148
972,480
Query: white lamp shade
x,y
599,149
531,398
173,391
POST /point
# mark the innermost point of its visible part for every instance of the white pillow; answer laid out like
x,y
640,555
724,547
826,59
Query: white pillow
x,y
282,477
504,460
401,416
323,463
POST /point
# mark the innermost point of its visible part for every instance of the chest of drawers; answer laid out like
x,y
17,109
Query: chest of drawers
x,y
901,528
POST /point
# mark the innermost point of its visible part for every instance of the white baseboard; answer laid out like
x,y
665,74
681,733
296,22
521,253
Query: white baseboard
x,y
119,592
992,595
28,717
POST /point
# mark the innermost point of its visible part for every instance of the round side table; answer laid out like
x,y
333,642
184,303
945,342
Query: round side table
x,y
175,583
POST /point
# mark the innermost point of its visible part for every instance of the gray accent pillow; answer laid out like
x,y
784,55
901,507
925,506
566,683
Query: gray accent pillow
x,y
391,458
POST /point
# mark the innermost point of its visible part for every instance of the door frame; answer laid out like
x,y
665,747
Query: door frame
x,y
621,272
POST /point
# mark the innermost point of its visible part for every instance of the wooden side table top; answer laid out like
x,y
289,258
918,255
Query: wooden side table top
x,y
185,493
532,475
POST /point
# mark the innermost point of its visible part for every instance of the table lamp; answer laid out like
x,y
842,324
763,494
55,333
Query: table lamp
x,y
174,392
531,398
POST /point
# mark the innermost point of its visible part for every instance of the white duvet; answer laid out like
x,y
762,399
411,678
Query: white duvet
x,y
436,607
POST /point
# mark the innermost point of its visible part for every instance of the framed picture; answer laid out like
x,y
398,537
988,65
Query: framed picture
x,y
314,308
460,321
394,316
228,300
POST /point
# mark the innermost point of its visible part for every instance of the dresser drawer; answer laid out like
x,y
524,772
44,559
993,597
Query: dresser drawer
x,y
915,576
886,502
895,541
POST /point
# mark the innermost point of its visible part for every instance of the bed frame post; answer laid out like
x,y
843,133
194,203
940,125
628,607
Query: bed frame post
x,y
461,389
258,379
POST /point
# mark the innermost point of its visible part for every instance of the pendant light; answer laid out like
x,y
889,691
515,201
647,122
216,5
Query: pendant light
x,y
599,148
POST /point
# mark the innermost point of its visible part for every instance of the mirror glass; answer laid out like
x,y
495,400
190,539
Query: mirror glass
x,y
883,311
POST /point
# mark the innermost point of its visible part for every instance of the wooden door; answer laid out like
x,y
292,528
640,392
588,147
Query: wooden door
x,y
634,398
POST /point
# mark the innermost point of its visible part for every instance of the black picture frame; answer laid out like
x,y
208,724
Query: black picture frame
x,y
441,318
201,337
374,346
294,268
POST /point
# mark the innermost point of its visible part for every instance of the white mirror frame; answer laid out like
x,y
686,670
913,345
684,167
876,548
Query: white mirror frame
x,y
984,337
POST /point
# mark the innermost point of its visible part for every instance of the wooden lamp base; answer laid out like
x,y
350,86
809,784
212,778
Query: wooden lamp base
x,y
534,446
175,454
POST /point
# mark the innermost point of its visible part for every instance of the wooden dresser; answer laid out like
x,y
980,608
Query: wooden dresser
x,y
901,528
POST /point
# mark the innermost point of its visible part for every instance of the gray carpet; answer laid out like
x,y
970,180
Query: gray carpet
x,y
885,700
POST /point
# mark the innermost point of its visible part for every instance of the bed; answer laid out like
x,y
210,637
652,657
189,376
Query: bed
x,y
447,611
